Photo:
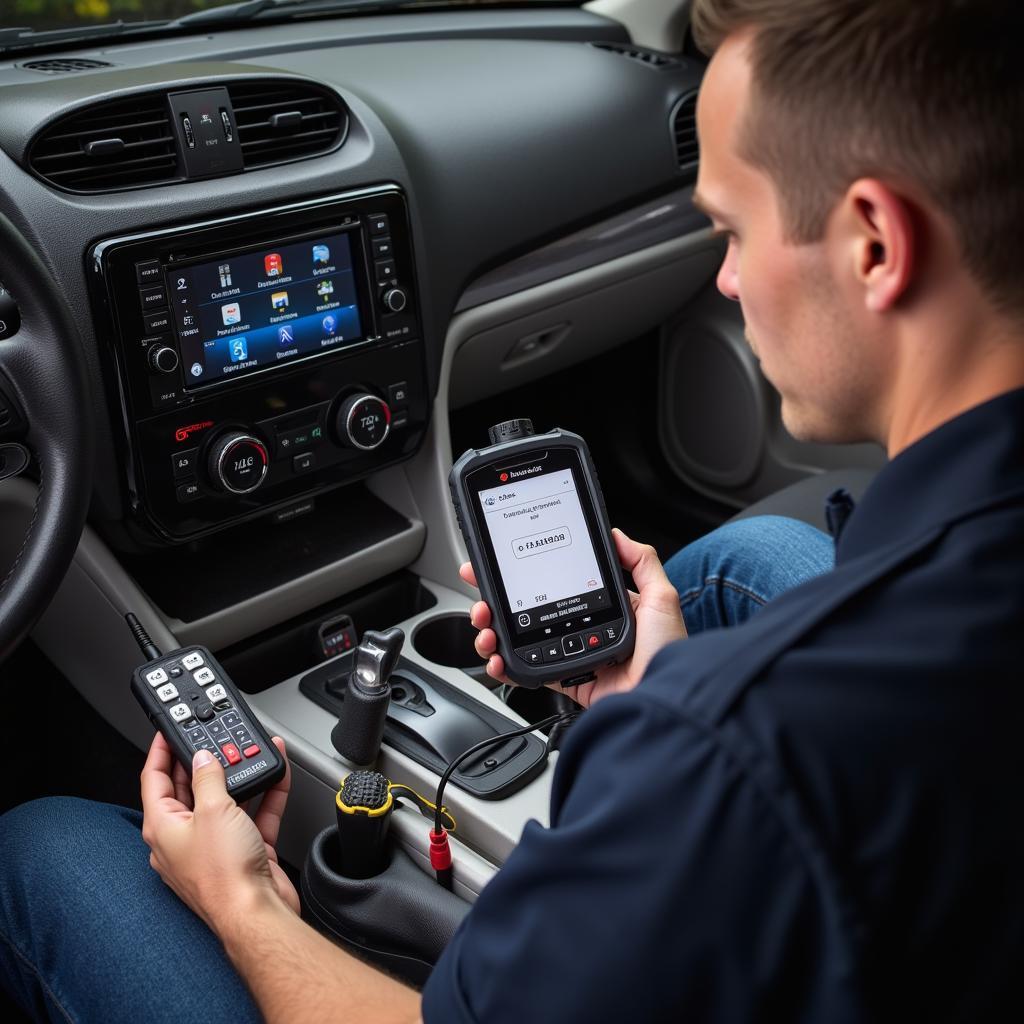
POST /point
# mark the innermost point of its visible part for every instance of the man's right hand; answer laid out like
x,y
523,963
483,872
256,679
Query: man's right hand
x,y
659,622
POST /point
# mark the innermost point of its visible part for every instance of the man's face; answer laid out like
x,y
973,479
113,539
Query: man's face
x,y
804,319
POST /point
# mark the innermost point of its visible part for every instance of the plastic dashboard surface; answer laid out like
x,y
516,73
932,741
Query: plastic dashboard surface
x,y
506,130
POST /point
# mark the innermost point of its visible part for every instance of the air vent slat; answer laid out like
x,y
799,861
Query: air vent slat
x,y
105,169
292,140
652,58
147,154
278,105
684,134
321,128
114,128
89,161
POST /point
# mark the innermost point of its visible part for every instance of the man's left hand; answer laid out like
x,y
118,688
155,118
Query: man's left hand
x,y
206,847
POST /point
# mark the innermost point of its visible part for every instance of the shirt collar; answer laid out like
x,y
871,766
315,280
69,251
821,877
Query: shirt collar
x,y
971,462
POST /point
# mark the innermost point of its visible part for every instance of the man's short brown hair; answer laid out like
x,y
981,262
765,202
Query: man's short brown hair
x,y
925,92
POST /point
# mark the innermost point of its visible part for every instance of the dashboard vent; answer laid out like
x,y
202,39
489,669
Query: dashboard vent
x,y
684,133
65,65
280,121
109,147
652,58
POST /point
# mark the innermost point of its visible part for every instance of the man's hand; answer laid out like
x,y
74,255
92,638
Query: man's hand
x,y
658,623
204,846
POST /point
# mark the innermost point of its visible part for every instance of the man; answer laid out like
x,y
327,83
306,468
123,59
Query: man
x,y
813,815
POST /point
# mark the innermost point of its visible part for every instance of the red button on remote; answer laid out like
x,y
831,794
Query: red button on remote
x,y
230,751
251,751
593,640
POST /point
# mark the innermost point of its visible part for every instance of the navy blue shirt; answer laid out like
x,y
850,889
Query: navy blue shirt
x,y
815,816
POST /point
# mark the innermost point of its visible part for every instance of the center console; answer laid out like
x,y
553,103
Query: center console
x,y
263,358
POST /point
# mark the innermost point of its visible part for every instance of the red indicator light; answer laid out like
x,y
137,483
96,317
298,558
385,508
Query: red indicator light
x,y
503,477
183,433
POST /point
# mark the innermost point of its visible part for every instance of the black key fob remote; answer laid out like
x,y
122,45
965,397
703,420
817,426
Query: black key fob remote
x,y
191,700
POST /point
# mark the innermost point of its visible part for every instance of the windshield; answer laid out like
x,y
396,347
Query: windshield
x,y
49,15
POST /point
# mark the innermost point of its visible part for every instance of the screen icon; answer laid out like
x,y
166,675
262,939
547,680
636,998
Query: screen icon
x,y
330,324
325,288
272,264
224,270
524,619
321,255
231,313
197,369
279,300
239,349
285,335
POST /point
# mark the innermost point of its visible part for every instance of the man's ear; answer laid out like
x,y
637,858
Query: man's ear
x,y
884,242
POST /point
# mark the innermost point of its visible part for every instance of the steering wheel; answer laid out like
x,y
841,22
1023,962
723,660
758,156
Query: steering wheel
x,y
42,370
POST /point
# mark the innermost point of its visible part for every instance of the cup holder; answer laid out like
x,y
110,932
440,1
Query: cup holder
x,y
448,640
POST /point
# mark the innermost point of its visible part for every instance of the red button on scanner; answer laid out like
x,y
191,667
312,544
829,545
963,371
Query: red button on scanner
x,y
251,751
593,639
230,751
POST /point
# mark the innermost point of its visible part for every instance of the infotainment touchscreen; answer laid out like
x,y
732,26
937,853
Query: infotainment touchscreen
x,y
250,310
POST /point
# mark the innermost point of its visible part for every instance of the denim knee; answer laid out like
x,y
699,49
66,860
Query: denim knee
x,y
727,575
89,931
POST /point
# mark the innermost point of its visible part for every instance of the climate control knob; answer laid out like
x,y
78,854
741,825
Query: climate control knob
x,y
395,300
163,359
238,462
363,422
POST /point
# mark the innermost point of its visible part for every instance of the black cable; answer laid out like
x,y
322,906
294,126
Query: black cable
x,y
483,745
149,649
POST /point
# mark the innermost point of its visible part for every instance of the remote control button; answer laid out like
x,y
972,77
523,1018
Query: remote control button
x,y
226,738
207,745
223,705
204,712
251,751
552,651
193,661
230,720
216,730
198,734
176,672
241,737
180,712
572,644
216,693
231,753
592,640
204,676
612,631
156,677
167,692
532,656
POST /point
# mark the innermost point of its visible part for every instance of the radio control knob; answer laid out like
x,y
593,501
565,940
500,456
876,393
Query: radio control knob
x,y
395,300
363,422
238,462
163,359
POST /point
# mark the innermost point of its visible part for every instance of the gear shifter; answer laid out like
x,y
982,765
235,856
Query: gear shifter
x,y
360,728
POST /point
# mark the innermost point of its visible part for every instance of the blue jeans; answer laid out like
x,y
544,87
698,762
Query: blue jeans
x,y
89,932
724,577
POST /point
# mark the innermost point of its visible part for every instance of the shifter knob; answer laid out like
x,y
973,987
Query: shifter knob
x,y
376,656
360,728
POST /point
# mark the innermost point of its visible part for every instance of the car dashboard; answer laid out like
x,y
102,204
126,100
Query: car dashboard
x,y
291,250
